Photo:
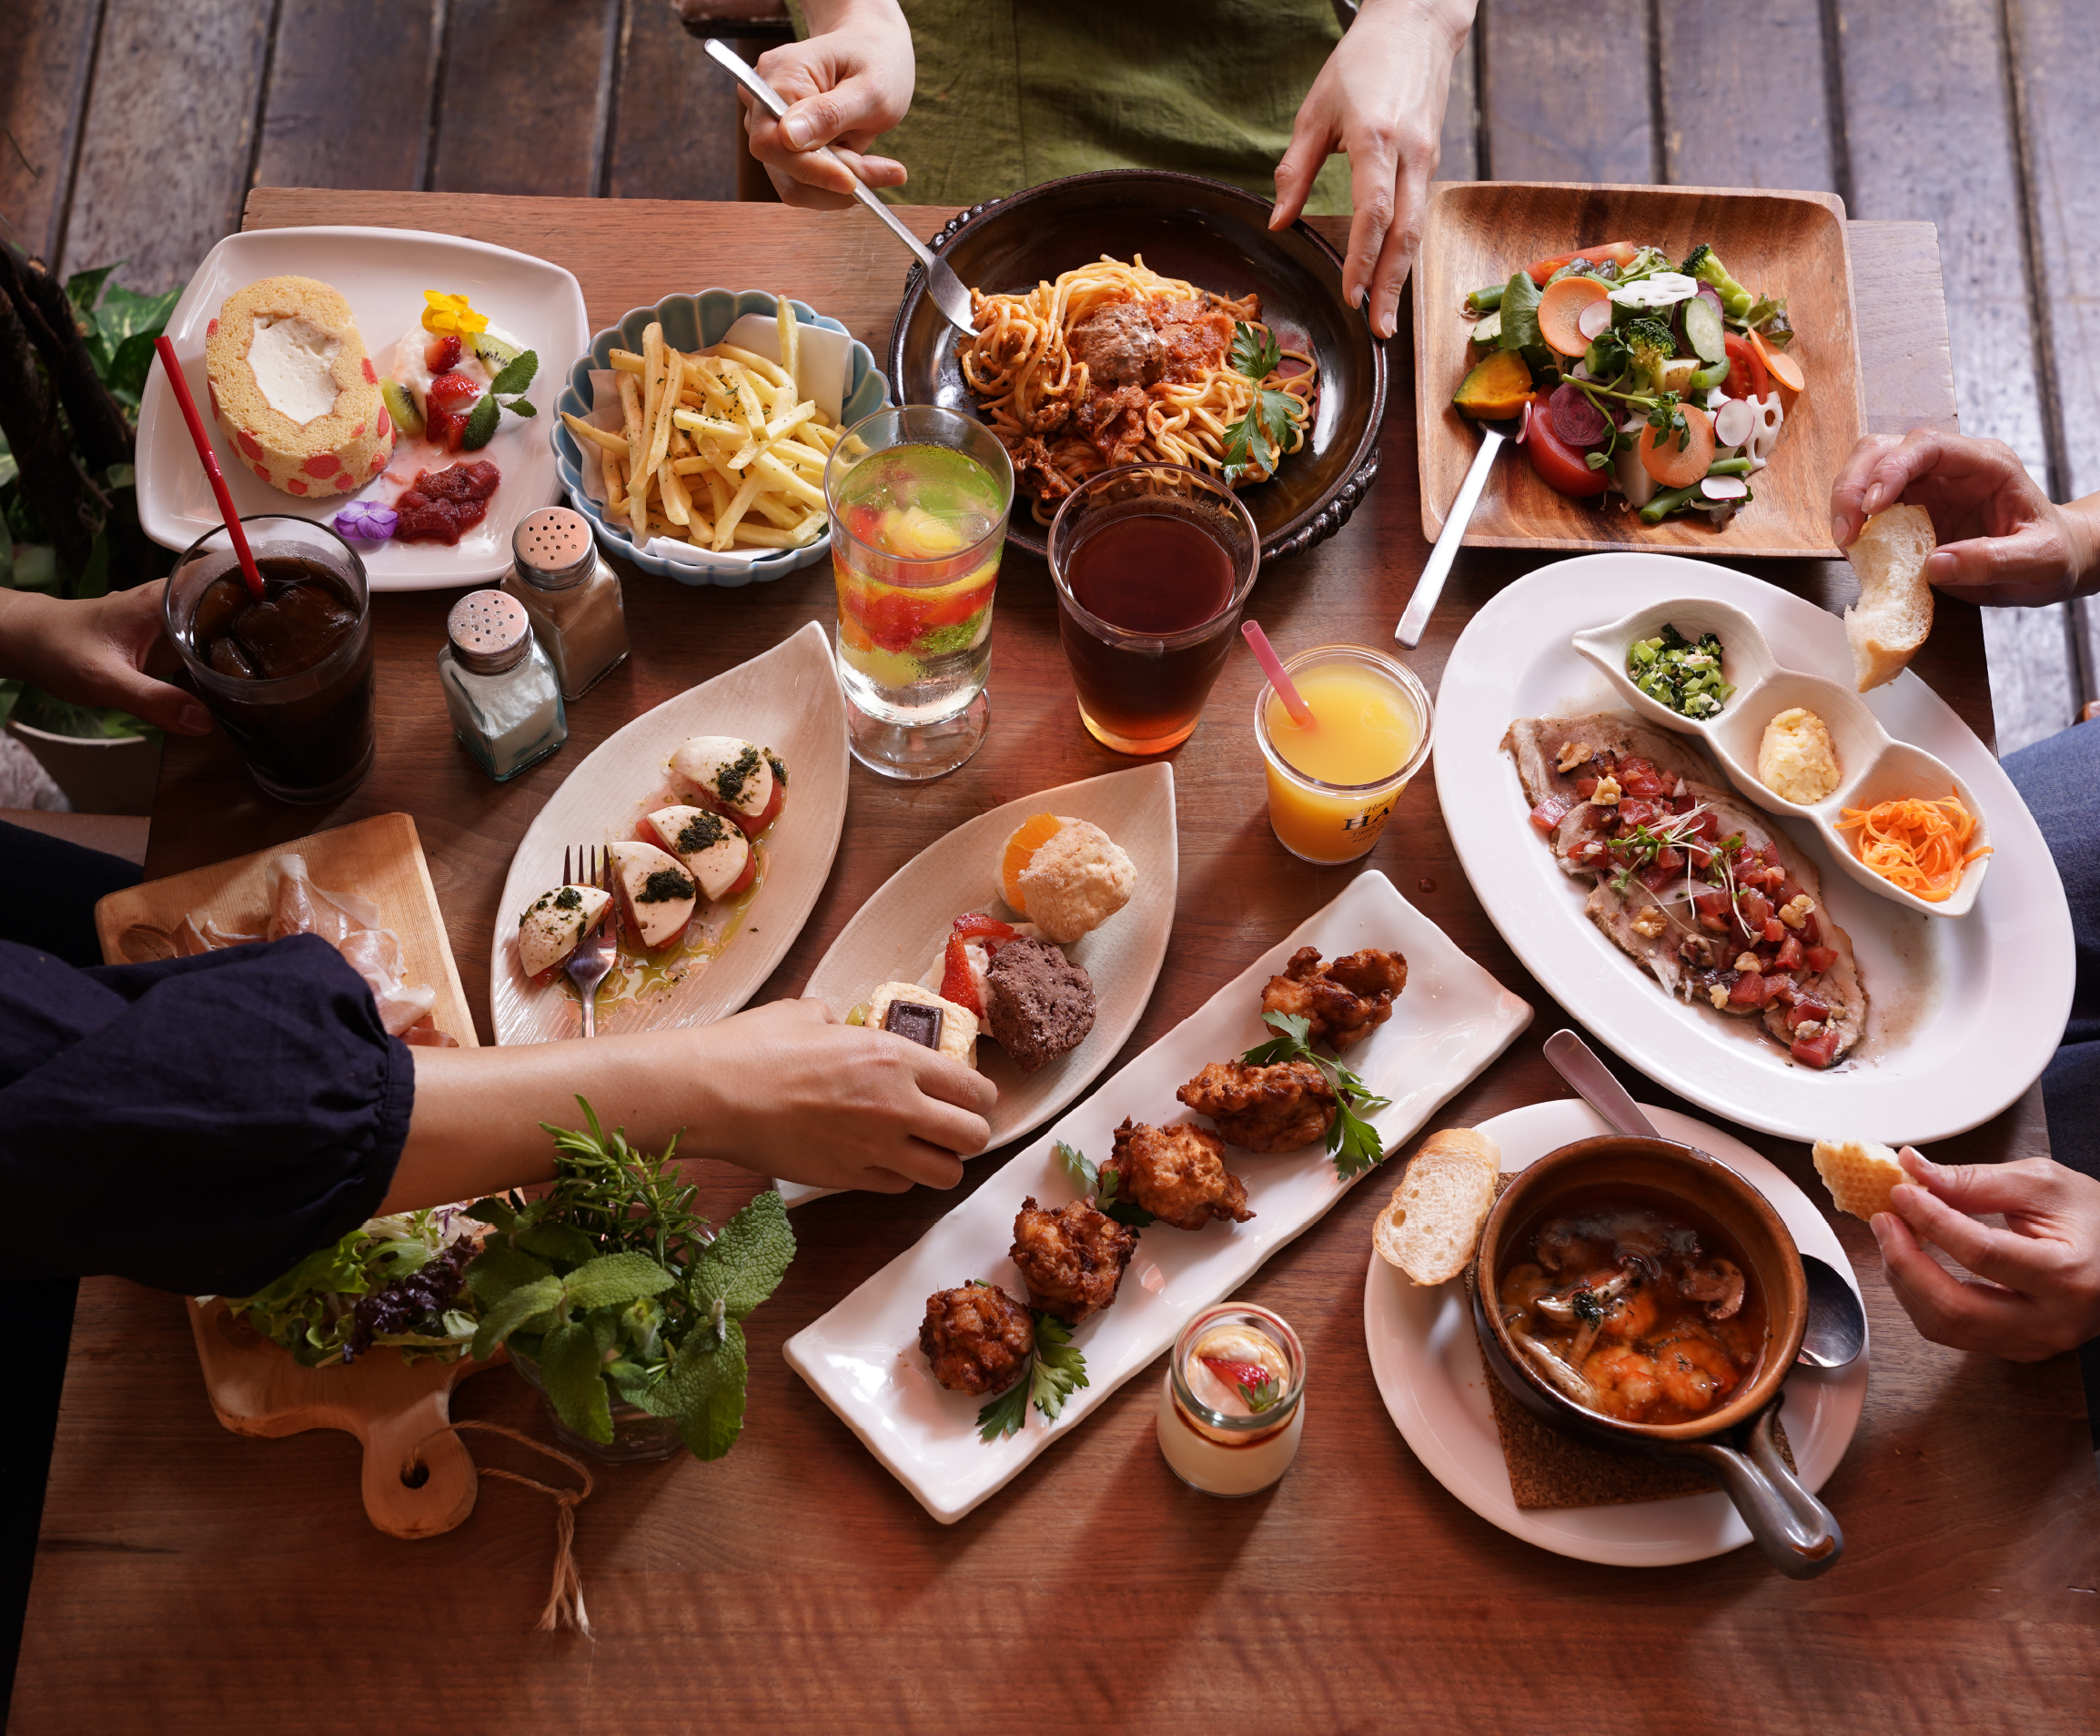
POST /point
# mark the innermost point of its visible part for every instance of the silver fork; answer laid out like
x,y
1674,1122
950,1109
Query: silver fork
x,y
593,958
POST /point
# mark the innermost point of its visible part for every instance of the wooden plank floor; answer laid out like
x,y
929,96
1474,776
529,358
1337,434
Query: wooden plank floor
x,y
136,131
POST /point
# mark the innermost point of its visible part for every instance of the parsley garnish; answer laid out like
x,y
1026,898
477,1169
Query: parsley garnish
x,y
1105,1185
1270,419
1055,1372
1354,1141
1668,418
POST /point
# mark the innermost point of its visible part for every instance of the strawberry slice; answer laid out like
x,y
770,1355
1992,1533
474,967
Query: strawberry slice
x,y
956,982
1237,1374
976,925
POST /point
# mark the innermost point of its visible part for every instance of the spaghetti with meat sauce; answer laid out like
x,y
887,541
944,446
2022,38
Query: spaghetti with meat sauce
x,y
1113,364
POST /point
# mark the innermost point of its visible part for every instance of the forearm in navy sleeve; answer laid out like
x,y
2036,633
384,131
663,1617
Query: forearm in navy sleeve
x,y
199,1125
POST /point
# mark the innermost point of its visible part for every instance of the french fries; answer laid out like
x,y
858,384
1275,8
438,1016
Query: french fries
x,y
716,447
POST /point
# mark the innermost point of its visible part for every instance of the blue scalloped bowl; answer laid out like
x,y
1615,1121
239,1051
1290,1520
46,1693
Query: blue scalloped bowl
x,y
693,322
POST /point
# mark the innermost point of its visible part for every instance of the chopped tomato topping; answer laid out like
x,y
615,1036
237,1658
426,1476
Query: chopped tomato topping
x,y
1773,931
1585,787
1790,954
1712,909
1816,1051
1807,1007
1549,814
1756,910
1821,958
1749,990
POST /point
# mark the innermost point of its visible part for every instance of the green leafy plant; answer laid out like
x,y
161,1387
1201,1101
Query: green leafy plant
x,y
1105,1185
516,377
1353,1141
613,1285
1255,440
1056,1372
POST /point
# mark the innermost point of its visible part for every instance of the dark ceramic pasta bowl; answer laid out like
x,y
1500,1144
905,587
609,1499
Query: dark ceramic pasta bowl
x,y
1735,1445
1214,236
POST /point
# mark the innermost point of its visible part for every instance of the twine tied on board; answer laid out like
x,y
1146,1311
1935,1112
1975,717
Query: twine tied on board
x,y
565,1597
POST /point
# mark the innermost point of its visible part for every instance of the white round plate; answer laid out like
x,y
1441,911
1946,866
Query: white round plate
x,y
382,273
1427,1363
788,699
1962,1015
900,934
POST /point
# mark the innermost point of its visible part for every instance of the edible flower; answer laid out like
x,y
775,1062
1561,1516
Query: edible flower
x,y
1920,846
366,522
445,313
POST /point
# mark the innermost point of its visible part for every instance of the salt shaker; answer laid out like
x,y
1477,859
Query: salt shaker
x,y
571,595
499,687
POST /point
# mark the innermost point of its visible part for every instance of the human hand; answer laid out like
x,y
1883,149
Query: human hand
x,y
97,652
812,1100
2039,1289
848,84
1381,98
2003,542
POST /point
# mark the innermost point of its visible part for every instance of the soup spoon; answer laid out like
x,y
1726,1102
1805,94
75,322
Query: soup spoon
x,y
1837,1324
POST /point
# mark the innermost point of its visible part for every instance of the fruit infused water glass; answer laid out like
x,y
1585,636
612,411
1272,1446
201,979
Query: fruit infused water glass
x,y
1153,564
1332,784
918,500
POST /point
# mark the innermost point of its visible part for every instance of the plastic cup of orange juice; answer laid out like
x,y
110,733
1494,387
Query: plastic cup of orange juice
x,y
1333,783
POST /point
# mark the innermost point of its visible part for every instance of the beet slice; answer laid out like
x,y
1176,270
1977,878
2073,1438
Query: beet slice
x,y
1575,419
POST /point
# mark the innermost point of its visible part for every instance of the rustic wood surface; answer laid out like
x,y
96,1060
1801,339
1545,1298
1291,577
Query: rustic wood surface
x,y
235,1584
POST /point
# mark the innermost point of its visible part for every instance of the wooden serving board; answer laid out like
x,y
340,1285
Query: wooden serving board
x,y
256,1388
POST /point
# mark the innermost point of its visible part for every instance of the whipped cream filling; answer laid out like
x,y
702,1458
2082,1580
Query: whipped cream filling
x,y
294,361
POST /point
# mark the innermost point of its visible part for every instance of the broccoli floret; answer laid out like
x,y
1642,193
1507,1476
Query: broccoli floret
x,y
1705,265
1650,345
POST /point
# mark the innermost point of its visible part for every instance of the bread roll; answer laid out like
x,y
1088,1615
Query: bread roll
x,y
1894,612
1433,1224
1859,1175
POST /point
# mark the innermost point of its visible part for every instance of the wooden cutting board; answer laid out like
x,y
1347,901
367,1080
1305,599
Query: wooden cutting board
x,y
256,1388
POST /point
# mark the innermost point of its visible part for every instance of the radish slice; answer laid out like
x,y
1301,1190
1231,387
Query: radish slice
x,y
1595,319
1734,421
1723,488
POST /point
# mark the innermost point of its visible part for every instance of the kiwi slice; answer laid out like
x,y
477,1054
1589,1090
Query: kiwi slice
x,y
401,406
495,354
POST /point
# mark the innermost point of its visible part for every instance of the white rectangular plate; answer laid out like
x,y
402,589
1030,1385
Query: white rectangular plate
x,y
382,273
862,1358
898,935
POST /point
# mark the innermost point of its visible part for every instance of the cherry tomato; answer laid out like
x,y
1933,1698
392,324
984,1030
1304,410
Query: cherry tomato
x,y
1746,375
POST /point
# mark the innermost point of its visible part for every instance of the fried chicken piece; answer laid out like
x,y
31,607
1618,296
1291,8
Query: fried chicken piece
x,y
1071,1260
1277,1108
1177,1173
977,1337
1344,1002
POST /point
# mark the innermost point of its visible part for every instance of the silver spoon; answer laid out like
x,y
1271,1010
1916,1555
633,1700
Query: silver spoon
x,y
1837,1324
942,284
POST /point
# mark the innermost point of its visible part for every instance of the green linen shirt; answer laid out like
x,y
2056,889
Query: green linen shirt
x,y
1011,93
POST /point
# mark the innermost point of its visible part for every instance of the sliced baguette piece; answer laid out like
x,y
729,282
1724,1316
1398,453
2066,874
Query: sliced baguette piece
x,y
1894,612
1859,1175
1432,1226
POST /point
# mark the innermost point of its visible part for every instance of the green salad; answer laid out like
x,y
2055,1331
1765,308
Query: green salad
x,y
1681,673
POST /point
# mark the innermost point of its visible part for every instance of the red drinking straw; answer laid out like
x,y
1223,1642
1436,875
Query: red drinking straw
x,y
233,526
1272,665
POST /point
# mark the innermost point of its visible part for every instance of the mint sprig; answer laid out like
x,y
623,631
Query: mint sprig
x,y
1055,1371
1105,1185
1353,1141
516,376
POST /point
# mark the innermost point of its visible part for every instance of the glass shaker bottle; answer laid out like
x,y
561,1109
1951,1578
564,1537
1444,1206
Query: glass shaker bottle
x,y
571,595
499,687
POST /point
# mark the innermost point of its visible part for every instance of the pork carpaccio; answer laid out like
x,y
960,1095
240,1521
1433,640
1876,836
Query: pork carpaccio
x,y
1696,886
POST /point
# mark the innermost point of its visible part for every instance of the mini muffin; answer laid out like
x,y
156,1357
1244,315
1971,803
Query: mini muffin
x,y
1077,880
1038,1004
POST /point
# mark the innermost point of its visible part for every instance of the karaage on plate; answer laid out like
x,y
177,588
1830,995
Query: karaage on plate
x,y
1177,1173
1343,1002
1276,1108
978,1338
1071,1260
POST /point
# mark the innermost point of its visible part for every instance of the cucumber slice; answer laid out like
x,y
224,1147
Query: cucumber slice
x,y
1488,332
1702,328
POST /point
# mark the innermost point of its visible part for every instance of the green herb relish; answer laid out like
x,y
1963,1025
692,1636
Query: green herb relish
x,y
703,831
730,781
663,886
1675,672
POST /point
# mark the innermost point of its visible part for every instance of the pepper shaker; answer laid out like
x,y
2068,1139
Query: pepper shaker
x,y
571,594
499,687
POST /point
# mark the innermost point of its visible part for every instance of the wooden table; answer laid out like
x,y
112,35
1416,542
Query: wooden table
x,y
224,1582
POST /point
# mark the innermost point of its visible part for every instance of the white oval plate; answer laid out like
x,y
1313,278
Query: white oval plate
x,y
898,934
788,699
1962,1016
1427,1363
383,274
862,1358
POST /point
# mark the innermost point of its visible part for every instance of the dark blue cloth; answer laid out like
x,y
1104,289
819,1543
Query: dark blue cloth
x,y
199,1125
48,890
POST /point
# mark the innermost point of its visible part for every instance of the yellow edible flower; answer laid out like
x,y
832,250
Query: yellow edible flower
x,y
451,314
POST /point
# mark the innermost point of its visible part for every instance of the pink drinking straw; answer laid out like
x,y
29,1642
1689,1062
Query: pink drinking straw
x,y
233,526
1272,666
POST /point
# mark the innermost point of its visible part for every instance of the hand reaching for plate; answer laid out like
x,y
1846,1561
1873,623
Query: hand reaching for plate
x,y
2037,1289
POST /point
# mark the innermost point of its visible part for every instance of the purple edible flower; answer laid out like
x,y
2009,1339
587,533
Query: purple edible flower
x,y
366,522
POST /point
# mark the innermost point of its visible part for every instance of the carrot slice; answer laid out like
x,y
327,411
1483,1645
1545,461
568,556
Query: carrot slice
x,y
1560,307
1780,364
1662,459
1028,837
1621,253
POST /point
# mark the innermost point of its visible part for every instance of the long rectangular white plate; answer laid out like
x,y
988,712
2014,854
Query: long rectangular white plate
x,y
862,1358
382,273
1961,1017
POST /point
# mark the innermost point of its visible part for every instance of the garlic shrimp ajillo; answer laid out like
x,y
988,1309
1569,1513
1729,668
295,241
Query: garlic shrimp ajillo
x,y
1113,364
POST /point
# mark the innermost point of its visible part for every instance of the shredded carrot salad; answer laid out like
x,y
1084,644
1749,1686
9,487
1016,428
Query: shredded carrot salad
x,y
1921,846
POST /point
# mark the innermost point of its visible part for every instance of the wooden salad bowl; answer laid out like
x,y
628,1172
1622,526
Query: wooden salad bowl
x,y
1789,244
1735,1445
1215,237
